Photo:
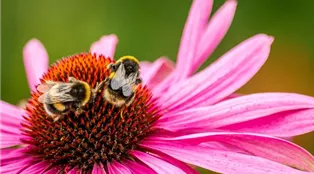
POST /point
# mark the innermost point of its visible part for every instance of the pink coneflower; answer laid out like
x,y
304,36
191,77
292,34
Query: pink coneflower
x,y
178,118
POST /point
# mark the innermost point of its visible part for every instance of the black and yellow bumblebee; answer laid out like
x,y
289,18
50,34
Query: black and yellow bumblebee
x,y
59,97
120,86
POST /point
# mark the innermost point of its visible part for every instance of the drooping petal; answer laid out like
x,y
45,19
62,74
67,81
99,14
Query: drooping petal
x,y
11,118
222,78
183,166
136,167
275,149
38,167
231,97
17,166
116,168
75,170
250,108
214,33
54,170
219,160
157,71
98,169
12,155
35,62
284,124
194,27
106,46
159,165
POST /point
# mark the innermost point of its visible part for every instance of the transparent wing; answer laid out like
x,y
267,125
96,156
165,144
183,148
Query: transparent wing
x,y
118,79
57,94
115,84
45,87
127,89
131,79
41,98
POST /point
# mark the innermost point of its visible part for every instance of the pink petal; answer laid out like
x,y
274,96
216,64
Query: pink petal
x,y
192,32
116,168
222,78
136,167
253,107
271,148
54,170
98,169
175,162
159,165
232,96
39,167
106,46
162,87
75,170
11,118
12,155
219,160
222,146
17,166
156,72
214,33
283,124
35,62
145,66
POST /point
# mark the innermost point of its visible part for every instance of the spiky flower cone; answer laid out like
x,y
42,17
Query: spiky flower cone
x,y
101,133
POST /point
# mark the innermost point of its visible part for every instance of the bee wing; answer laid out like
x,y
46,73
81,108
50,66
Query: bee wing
x,y
57,94
132,78
118,79
41,98
45,87
127,89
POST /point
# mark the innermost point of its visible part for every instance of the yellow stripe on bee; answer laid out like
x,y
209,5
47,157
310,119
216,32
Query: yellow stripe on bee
x,y
128,57
111,75
87,93
59,106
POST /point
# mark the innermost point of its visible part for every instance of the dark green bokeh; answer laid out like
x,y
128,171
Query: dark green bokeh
x,y
149,29
146,29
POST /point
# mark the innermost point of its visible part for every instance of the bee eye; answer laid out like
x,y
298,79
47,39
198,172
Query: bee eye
x,y
129,67
74,91
81,91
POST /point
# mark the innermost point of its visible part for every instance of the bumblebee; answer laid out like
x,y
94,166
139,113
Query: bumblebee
x,y
120,86
60,97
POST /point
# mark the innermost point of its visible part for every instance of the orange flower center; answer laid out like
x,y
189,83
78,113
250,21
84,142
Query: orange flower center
x,y
96,135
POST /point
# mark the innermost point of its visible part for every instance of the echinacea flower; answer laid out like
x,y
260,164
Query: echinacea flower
x,y
178,118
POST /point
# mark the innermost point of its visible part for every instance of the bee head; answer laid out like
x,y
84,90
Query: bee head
x,y
78,91
130,66
130,63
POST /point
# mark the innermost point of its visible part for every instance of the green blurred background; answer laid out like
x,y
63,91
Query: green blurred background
x,y
149,29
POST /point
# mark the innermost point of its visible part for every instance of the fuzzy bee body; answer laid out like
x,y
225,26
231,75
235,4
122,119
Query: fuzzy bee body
x,y
120,86
60,97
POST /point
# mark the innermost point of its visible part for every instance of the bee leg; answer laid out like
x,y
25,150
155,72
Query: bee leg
x,y
76,107
130,100
121,113
100,85
110,66
78,111
98,88
56,117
